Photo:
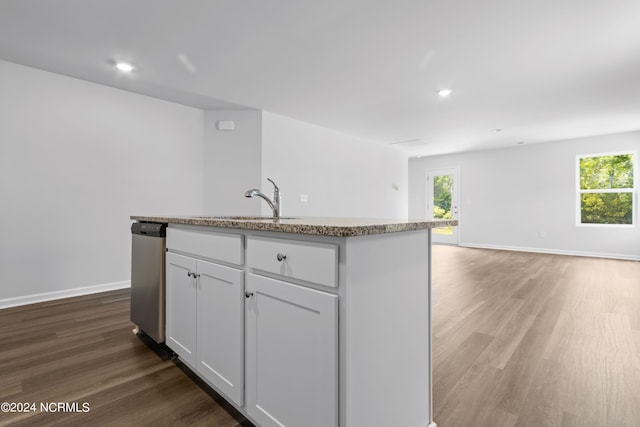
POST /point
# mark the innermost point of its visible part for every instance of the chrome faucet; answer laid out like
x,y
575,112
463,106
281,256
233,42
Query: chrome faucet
x,y
275,204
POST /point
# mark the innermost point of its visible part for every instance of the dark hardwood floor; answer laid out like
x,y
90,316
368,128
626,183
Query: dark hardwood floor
x,y
83,350
520,339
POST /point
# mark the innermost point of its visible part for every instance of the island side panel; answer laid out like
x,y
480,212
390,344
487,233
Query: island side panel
x,y
386,325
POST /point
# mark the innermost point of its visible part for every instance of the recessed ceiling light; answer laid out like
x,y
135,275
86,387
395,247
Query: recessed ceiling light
x,y
498,130
443,93
124,67
520,142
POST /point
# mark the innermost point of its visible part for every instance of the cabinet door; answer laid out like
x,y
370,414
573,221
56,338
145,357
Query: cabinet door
x,y
181,306
220,328
292,354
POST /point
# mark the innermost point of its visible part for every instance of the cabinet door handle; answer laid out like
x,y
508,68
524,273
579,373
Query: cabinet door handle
x,y
188,274
281,257
195,275
248,295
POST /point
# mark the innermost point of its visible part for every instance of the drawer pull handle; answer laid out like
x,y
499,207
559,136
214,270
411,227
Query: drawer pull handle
x,y
248,295
281,257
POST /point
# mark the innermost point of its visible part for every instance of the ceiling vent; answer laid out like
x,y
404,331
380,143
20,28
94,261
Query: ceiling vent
x,y
410,143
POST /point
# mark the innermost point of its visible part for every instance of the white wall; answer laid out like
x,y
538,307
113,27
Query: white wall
x,y
232,162
508,196
76,160
342,175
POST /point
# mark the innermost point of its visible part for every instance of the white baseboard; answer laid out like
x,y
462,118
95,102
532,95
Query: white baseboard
x,y
432,424
66,293
553,251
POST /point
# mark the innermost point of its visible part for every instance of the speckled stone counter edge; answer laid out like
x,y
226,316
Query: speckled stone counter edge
x,y
337,227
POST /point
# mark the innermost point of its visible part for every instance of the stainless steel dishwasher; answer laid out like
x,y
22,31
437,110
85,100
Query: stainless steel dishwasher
x,y
148,246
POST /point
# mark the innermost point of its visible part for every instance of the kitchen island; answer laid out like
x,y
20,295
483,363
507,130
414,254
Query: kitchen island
x,y
305,321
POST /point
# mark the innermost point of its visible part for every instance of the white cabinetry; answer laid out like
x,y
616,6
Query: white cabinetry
x,y
293,259
220,328
292,354
291,333
305,331
205,321
181,307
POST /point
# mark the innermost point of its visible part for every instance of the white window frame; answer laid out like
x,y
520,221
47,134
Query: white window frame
x,y
633,190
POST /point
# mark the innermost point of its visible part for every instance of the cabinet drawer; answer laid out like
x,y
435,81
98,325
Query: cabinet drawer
x,y
216,246
309,261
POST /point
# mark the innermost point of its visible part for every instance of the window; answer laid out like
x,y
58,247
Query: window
x,y
606,189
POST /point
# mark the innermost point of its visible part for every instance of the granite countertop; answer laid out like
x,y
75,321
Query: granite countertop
x,y
339,227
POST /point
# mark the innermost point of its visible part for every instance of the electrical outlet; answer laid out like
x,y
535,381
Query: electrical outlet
x,y
541,234
304,198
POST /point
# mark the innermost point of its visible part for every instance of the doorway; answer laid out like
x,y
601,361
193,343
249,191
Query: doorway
x,y
443,202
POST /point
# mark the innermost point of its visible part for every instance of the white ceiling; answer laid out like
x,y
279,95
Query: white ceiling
x,y
540,70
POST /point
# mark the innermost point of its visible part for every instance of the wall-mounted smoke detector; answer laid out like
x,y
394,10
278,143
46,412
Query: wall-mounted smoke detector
x,y
225,125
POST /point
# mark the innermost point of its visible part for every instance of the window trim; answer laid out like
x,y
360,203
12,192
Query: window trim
x,y
633,190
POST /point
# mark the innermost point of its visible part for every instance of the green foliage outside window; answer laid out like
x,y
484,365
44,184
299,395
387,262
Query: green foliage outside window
x,y
442,189
613,175
606,172
606,208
